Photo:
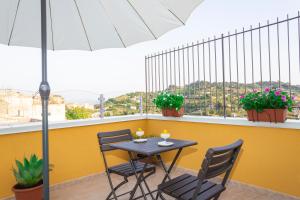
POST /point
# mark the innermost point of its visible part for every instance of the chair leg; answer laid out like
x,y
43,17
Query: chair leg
x,y
158,194
217,197
162,197
117,187
111,186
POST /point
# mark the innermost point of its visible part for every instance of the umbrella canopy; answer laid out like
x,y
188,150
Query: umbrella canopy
x,y
85,25
91,24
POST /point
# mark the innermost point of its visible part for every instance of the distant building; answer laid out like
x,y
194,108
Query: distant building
x,y
17,107
76,105
133,107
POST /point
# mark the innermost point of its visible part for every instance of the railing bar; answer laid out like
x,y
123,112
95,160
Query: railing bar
x,y
183,72
209,64
163,72
269,50
216,73
194,83
230,79
149,82
158,69
189,81
260,59
289,53
175,71
252,64
179,69
278,53
167,74
155,76
204,76
199,75
146,81
237,66
299,36
151,78
245,68
238,33
241,32
152,82
170,58
223,72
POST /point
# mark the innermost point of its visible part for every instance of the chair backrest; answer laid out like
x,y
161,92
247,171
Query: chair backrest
x,y
220,160
107,138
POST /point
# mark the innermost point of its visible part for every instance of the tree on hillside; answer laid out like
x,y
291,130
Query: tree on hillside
x,y
78,113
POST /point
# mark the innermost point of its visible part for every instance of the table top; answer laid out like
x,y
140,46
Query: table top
x,y
151,147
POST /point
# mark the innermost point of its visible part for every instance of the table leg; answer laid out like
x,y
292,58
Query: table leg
x,y
148,188
168,171
163,166
139,178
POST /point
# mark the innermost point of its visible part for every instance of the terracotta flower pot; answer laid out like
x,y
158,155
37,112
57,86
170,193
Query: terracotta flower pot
x,y
268,115
250,115
35,193
173,112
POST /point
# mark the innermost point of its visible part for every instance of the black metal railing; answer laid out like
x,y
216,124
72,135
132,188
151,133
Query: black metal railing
x,y
213,73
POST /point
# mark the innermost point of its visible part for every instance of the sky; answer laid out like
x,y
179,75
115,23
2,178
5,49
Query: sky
x,y
83,75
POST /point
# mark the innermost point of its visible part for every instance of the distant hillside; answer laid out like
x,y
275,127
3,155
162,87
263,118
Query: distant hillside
x,y
201,98
123,105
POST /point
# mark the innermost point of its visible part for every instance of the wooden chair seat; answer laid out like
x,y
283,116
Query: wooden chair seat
x,y
183,188
126,168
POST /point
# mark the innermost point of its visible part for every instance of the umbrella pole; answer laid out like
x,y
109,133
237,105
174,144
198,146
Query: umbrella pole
x,y
44,90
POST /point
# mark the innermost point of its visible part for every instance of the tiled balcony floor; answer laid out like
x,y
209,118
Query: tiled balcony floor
x,y
96,188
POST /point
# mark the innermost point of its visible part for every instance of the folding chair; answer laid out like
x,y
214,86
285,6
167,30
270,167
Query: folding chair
x,y
217,161
126,169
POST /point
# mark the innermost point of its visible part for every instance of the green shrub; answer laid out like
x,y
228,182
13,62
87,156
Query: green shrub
x,y
167,100
78,113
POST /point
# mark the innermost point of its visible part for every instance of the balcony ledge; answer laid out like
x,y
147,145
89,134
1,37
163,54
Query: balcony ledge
x,y
36,126
289,124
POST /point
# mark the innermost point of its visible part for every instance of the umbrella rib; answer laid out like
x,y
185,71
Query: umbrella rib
x,y
51,24
13,27
176,16
101,4
83,25
141,19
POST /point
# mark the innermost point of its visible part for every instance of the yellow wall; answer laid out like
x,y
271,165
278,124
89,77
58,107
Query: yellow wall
x,y
270,157
73,151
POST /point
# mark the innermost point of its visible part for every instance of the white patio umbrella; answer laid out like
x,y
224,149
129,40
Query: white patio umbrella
x,y
85,25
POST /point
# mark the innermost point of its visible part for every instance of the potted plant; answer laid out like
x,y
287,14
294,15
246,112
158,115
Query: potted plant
x,y
271,105
171,104
29,177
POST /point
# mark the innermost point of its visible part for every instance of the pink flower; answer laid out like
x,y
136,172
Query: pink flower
x,y
293,98
267,89
255,90
283,98
242,96
279,89
277,93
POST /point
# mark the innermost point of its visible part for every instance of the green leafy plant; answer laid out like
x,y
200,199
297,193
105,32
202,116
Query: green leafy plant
x,y
167,100
29,173
268,99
